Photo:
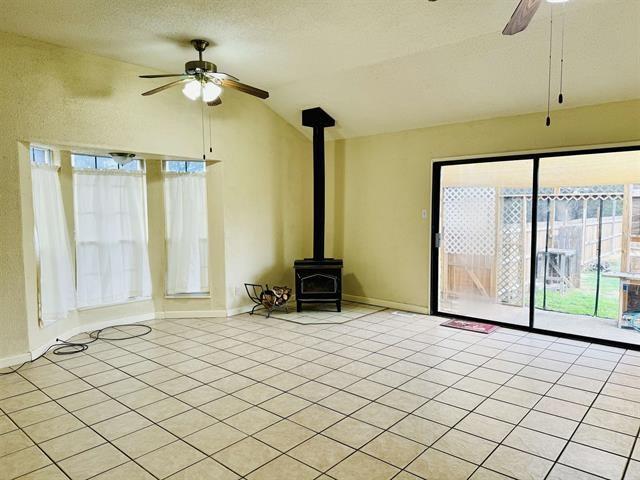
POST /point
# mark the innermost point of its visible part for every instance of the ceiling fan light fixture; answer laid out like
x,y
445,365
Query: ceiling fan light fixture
x,y
192,90
210,92
198,73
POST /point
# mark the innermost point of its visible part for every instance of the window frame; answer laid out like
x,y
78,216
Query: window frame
x,y
170,173
78,243
119,168
50,160
185,170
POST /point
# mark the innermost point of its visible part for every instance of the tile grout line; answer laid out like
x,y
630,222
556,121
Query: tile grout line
x,y
352,360
580,423
530,409
107,441
630,459
115,399
403,340
467,347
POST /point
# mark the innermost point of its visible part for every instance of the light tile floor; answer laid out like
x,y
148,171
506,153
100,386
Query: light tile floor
x,y
383,396
319,313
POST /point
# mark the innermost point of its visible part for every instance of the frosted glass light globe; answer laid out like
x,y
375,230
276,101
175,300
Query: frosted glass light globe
x,y
192,90
210,92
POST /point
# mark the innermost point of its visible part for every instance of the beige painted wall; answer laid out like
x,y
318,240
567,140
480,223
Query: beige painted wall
x,y
267,175
382,183
56,96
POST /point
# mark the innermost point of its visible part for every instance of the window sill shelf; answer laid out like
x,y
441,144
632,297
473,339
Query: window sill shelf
x,y
188,296
107,305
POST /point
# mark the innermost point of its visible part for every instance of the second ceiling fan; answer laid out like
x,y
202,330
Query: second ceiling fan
x,y
523,14
202,79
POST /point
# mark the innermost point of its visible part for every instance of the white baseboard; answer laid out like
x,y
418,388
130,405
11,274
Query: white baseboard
x,y
203,313
238,310
191,314
89,327
386,303
14,360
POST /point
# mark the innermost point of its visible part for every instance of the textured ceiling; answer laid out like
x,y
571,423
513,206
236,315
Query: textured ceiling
x,y
375,65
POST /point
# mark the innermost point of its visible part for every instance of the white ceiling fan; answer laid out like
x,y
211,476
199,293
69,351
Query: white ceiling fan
x,y
202,79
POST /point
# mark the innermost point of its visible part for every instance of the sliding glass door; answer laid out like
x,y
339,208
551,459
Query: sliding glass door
x,y
586,245
484,240
580,216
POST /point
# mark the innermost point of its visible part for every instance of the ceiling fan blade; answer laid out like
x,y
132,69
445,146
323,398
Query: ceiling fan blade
x,y
521,17
244,88
168,85
215,102
163,75
222,76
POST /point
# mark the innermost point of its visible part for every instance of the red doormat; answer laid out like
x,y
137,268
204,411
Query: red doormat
x,y
471,326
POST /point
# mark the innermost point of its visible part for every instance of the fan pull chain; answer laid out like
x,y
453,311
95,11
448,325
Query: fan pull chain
x,y
548,122
561,96
202,118
210,128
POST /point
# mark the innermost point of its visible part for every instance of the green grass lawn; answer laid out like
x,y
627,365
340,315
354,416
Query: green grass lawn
x,y
581,301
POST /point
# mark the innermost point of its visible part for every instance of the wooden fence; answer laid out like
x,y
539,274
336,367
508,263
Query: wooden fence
x,y
464,273
582,236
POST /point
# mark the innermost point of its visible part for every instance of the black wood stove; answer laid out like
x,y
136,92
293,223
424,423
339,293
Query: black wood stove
x,y
318,279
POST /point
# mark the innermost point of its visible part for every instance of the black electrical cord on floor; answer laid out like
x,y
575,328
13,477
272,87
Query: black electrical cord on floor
x,y
64,347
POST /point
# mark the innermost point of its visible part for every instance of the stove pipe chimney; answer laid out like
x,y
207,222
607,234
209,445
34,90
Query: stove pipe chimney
x,y
318,119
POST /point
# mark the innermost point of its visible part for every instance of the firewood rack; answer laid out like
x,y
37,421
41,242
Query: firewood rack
x,y
258,293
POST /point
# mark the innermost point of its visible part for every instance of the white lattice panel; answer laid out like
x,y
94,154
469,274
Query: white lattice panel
x,y
469,220
511,264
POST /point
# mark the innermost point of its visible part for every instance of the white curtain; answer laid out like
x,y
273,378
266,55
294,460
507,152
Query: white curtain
x,y
57,292
185,199
112,254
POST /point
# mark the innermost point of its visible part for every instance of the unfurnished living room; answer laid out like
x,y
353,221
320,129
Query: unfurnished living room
x,y
320,239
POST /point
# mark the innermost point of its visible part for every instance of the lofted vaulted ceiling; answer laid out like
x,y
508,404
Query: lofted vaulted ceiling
x,y
375,65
